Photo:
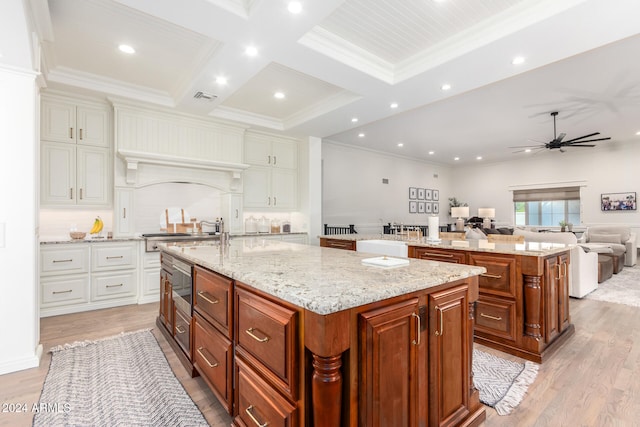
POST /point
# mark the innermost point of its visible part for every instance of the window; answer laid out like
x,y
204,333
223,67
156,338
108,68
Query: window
x,y
547,206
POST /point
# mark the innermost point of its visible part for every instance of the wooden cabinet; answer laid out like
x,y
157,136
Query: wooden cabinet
x,y
213,299
166,307
349,245
556,296
436,254
74,121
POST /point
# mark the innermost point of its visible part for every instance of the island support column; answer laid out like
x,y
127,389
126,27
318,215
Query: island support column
x,y
327,337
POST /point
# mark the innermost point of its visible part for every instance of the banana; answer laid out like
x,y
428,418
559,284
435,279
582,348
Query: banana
x,y
97,226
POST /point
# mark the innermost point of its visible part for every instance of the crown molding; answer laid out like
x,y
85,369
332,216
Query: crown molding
x,y
320,108
234,114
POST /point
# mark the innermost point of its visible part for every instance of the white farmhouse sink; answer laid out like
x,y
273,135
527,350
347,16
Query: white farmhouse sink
x,y
383,247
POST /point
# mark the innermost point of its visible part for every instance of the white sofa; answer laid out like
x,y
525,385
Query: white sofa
x,y
584,265
617,236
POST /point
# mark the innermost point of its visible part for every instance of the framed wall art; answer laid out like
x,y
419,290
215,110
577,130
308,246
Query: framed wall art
x,y
436,207
428,207
413,206
618,201
420,193
427,194
420,207
436,195
413,193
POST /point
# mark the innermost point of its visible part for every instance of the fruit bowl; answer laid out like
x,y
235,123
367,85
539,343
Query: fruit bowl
x,y
77,235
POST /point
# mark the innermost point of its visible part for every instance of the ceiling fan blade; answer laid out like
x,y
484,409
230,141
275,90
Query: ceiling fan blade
x,y
587,140
527,146
584,136
572,145
559,138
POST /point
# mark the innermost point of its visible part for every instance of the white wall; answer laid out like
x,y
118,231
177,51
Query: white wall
x,y
353,192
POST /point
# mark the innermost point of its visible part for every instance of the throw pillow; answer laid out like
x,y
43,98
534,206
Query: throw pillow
x,y
605,238
503,230
475,234
490,231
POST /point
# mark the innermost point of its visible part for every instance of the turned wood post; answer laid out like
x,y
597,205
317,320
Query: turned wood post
x,y
326,389
532,299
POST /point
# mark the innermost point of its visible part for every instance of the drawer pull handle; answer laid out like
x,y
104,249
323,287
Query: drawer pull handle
x,y
249,412
438,255
209,300
62,292
181,331
115,286
491,317
255,337
62,260
115,257
417,340
440,332
211,365
492,276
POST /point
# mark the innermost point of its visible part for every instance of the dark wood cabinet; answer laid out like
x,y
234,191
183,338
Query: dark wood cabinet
x,y
349,245
432,254
212,299
556,296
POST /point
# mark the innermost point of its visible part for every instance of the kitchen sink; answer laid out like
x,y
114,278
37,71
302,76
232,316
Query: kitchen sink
x,y
383,247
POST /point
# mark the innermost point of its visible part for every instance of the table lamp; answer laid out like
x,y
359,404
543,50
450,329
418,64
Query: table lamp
x,y
486,214
460,212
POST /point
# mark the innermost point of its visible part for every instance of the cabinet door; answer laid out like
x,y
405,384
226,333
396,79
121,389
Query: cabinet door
x,y
389,342
257,151
232,213
123,212
93,176
92,124
563,293
449,356
284,189
58,177
58,121
284,154
552,280
257,185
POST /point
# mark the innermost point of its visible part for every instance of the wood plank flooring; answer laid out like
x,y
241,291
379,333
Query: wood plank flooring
x,y
590,381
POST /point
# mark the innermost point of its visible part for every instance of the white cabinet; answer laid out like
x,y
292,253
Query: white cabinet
x,y
123,212
272,151
150,276
232,212
71,121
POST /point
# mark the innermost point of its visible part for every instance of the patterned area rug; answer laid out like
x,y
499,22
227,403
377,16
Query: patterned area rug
x,y
502,383
621,288
123,380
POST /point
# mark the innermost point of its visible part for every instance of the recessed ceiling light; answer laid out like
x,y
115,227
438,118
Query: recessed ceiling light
x,y
527,150
456,158
394,105
517,60
295,7
251,50
638,133
445,86
479,158
126,49
361,135
400,144
354,120
221,80
279,95
431,153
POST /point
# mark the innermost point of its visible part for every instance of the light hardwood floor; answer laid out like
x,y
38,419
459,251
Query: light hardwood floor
x,y
592,380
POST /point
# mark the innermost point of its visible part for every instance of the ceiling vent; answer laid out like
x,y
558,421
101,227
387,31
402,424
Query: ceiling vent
x,y
204,95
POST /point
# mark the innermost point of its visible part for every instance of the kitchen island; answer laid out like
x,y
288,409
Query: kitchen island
x,y
523,308
301,335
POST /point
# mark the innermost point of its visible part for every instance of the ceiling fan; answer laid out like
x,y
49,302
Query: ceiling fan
x,y
557,141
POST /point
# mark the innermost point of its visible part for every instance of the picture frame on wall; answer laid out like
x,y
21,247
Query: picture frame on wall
x,y
618,202
436,208
427,194
420,194
428,207
413,207
413,193
420,207
436,195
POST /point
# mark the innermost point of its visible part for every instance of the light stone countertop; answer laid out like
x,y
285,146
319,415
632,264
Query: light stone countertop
x,y
322,280
58,241
539,249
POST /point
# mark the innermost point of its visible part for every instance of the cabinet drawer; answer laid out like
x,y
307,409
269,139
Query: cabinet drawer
x,y
497,317
113,285
213,358
151,260
500,278
453,256
266,335
64,291
259,404
182,331
212,295
65,260
349,245
113,257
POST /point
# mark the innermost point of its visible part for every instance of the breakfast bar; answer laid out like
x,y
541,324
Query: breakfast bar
x,y
300,335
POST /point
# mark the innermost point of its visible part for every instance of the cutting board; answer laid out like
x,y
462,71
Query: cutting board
x,y
385,261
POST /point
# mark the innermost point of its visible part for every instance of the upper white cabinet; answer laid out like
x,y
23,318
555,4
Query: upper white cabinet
x,y
66,121
75,154
268,150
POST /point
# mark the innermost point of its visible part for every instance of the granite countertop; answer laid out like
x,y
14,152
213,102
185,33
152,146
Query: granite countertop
x,y
526,248
57,241
322,280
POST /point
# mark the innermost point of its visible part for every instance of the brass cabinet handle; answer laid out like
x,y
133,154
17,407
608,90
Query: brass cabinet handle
x,y
275,160
559,276
438,255
71,193
124,213
210,301
249,412
62,260
269,159
269,202
417,340
275,201
80,134
255,337
236,213
70,133
211,365
491,276
115,286
440,332
62,292
115,257
565,268
81,194
490,317
181,331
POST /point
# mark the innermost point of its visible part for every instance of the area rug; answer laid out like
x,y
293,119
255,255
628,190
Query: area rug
x,y
123,380
502,383
621,288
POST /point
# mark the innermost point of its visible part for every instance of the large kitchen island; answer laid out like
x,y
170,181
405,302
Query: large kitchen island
x,y
297,335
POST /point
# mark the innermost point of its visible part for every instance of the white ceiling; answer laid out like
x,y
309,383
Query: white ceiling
x,y
340,59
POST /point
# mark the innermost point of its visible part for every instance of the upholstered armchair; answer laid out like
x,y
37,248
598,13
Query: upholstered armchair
x,y
584,265
618,237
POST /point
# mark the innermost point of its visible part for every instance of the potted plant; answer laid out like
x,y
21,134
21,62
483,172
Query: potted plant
x,y
563,225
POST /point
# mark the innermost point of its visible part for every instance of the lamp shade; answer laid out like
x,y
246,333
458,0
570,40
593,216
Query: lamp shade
x,y
460,211
486,212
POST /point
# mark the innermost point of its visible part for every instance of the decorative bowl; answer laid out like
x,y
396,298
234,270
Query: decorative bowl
x,y
77,234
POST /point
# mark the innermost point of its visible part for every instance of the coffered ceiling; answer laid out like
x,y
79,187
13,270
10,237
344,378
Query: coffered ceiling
x,y
341,60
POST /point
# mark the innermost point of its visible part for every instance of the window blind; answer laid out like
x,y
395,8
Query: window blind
x,y
546,194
